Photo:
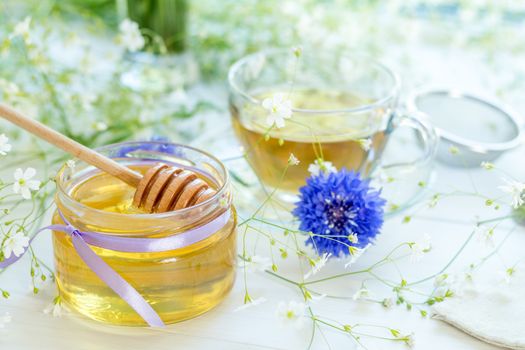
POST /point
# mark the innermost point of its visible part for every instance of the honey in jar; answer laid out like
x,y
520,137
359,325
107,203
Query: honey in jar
x,y
178,284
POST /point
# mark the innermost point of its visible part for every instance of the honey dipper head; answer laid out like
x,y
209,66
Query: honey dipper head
x,y
165,188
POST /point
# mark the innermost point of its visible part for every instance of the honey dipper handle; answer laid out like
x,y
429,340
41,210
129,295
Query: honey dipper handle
x,y
70,146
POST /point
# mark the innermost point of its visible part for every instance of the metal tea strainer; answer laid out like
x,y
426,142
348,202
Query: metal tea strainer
x,y
471,129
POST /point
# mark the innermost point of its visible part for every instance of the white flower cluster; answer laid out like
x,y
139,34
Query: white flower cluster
x,y
130,36
320,166
5,147
15,243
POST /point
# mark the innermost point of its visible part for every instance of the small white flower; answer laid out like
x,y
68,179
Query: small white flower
x,y
516,190
292,160
387,303
87,100
5,319
486,236
318,297
353,238
365,144
292,313
508,274
258,263
15,244
279,109
361,293
419,248
250,304
22,28
487,165
410,341
318,265
56,308
71,164
23,183
321,166
5,147
130,35
100,126
9,88
355,254
440,280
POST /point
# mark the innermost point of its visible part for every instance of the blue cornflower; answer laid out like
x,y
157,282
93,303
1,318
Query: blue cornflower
x,y
159,144
341,209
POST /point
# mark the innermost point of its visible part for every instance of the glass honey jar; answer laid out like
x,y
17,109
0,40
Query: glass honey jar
x,y
178,284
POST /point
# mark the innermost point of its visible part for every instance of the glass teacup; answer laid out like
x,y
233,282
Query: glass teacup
x,y
344,109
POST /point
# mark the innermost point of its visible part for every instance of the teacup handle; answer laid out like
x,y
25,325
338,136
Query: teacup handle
x,y
427,135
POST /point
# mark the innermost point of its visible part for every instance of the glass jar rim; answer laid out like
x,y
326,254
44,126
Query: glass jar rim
x,y
167,215
391,95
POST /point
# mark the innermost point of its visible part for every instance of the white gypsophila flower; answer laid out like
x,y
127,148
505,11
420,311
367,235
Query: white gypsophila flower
x,y
250,304
71,164
419,248
387,303
292,160
15,244
353,238
100,126
291,313
319,166
22,29
130,35
258,263
508,274
5,319
23,183
365,144
279,108
410,341
360,294
487,165
486,236
355,254
56,309
318,265
440,280
8,88
316,298
5,147
517,190
87,100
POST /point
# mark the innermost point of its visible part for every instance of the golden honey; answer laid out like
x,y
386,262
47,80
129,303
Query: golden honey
x,y
334,137
178,284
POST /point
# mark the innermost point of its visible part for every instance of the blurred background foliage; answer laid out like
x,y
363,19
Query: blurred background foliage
x,y
69,74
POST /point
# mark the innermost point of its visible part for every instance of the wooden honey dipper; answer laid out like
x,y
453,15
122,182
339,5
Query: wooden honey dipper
x,y
162,188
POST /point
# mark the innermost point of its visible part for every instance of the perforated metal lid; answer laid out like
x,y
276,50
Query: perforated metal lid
x,y
472,129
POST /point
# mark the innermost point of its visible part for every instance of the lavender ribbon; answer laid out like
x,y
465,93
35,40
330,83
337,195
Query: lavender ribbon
x,y
82,240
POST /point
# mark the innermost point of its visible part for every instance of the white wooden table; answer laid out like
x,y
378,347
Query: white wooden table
x,y
257,328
